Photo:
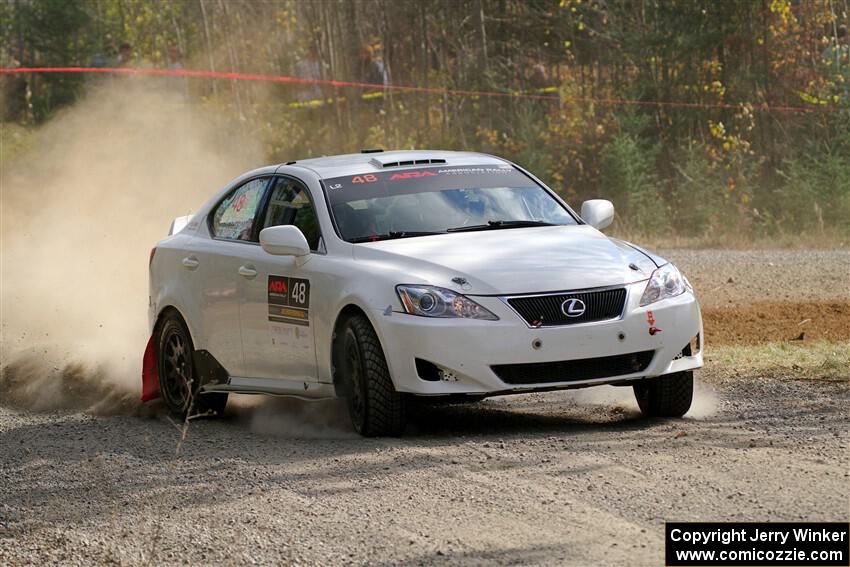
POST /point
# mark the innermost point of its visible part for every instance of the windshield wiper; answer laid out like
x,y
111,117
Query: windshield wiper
x,y
391,235
497,224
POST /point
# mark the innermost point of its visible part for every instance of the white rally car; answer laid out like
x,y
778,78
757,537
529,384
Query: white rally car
x,y
386,275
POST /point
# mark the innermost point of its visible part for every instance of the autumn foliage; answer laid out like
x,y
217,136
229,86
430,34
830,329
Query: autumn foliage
x,y
696,117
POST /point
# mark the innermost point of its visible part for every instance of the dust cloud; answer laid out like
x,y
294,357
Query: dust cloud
x,y
620,398
295,419
79,212
704,403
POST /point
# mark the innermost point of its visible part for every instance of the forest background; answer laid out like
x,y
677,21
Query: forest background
x,y
705,121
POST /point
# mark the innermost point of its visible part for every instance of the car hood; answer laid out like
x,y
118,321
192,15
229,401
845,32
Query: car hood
x,y
510,261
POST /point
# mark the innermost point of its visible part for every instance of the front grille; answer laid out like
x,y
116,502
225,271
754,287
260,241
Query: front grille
x,y
545,310
573,370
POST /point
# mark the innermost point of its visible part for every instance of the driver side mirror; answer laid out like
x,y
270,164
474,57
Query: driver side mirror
x,y
598,213
284,240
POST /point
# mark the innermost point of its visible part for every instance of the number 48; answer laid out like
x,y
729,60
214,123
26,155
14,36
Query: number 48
x,y
299,293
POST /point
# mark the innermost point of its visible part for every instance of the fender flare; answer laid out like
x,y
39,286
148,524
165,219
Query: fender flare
x,y
348,305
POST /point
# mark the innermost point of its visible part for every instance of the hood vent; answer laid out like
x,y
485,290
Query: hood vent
x,y
428,161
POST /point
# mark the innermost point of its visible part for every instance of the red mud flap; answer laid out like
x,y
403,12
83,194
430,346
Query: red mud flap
x,y
150,376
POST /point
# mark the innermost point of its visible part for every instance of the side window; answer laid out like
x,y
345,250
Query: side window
x,y
290,204
234,217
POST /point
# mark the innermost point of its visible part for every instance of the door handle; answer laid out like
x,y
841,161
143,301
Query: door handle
x,y
247,272
190,262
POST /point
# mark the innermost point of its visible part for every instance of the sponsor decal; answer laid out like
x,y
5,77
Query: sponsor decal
x,y
239,202
278,286
292,337
289,300
481,170
425,179
412,175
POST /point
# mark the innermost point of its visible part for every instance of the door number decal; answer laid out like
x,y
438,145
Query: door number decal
x,y
289,300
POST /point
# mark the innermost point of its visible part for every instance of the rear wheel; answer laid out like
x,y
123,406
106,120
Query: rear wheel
x,y
666,396
177,377
376,408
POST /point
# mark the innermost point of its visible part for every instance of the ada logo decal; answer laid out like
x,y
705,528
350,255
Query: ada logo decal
x,y
289,300
412,175
278,285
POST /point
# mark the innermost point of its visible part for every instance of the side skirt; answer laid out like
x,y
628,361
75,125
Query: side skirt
x,y
278,387
215,378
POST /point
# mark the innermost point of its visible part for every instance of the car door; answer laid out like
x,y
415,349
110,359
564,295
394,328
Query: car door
x,y
215,262
277,320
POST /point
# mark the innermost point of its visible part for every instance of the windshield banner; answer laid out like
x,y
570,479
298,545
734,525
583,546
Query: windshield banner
x,y
422,180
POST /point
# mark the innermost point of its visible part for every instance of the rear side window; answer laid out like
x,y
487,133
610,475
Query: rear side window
x,y
234,217
290,204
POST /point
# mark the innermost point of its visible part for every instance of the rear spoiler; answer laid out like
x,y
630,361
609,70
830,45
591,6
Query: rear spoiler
x,y
179,224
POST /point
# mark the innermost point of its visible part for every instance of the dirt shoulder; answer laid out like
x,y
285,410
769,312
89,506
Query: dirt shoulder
x,y
767,321
754,297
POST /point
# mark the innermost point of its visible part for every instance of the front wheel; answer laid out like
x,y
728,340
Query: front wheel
x,y
376,408
666,396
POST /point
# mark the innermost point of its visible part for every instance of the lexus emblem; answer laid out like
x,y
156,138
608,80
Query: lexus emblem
x,y
573,307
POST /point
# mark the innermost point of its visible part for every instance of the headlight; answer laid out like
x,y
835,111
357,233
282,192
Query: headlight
x,y
429,301
664,282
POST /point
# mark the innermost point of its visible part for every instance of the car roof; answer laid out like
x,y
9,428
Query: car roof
x,y
368,162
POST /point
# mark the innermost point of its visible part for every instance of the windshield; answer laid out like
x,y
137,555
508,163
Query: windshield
x,y
435,200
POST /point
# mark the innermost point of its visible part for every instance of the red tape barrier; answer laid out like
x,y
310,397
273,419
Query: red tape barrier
x,y
764,107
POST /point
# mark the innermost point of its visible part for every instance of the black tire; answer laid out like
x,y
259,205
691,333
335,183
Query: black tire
x,y
666,396
375,407
177,377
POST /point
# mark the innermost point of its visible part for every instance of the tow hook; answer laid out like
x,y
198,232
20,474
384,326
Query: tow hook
x,y
650,320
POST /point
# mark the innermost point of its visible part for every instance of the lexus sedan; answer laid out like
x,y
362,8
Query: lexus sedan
x,y
385,277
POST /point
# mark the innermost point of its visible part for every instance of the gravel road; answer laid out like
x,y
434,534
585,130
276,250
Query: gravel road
x,y
724,278
541,479
565,478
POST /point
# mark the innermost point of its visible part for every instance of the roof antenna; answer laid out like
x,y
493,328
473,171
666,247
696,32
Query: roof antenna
x,y
371,151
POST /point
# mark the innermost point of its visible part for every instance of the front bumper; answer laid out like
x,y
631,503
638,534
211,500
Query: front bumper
x,y
465,350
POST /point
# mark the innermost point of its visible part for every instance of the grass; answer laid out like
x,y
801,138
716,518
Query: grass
x,y
821,360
